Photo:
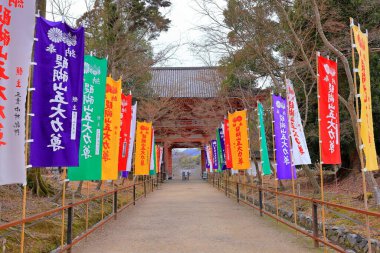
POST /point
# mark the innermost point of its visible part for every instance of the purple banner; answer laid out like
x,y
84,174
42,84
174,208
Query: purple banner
x,y
214,147
222,144
57,99
124,174
281,129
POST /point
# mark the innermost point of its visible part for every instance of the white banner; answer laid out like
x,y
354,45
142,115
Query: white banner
x,y
208,155
252,171
17,29
299,146
132,135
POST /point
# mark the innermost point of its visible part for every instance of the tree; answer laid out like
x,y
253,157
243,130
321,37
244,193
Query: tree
x,y
122,30
277,39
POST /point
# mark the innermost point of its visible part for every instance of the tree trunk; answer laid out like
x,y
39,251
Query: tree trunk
x,y
58,195
78,192
99,185
37,184
312,179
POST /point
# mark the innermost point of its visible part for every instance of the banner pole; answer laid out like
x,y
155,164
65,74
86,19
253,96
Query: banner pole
x,y
274,156
321,163
291,169
261,158
63,204
102,203
87,204
250,155
24,188
358,126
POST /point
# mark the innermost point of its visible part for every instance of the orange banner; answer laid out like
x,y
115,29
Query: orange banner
x,y
111,131
143,148
238,127
366,126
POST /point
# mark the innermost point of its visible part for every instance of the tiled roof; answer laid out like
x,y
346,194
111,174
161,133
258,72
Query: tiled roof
x,y
185,81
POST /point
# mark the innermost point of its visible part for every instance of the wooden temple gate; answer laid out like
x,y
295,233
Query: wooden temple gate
x,y
197,108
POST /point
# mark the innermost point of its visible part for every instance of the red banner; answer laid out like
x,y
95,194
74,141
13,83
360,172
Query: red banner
x,y
329,111
227,144
126,117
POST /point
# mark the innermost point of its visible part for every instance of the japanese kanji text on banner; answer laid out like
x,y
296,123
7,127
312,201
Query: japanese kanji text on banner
x,y
366,127
17,25
90,151
239,140
125,128
111,130
143,148
282,142
300,151
57,100
329,111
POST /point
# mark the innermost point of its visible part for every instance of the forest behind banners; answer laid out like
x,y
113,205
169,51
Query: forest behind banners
x,y
265,42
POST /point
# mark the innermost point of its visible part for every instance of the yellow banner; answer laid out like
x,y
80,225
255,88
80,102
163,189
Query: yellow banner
x,y
111,130
143,147
366,127
239,140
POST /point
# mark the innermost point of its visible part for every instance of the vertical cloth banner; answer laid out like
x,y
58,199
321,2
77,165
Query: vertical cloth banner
x,y
239,140
207,162
57,100
17,30
282,142
208,150
223,146
300,151
220,150
328,111
263,142
111,130
161,149
90,150
214,148
132,134
125,127
152,169
366,126
157,158
227,144
143,146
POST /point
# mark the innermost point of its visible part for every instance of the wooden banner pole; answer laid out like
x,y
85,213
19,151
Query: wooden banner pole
x,y
261,157
250,156
63,204
102,203
292,170
274,155
358,126
321,162
26,151
87,204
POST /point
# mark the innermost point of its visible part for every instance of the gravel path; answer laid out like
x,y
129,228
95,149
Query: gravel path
x,y
192,216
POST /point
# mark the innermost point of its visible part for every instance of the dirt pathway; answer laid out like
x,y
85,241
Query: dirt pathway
x,y
189,217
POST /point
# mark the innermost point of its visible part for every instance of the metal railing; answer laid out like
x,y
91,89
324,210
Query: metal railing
x,y
233,188
136,190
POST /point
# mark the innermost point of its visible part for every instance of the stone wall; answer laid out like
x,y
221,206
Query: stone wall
x,y
338,235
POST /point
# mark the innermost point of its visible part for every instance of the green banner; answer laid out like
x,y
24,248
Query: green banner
x,y
90,151
220,152
263,142
154,171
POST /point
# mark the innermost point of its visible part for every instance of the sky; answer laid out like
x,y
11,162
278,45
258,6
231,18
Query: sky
x,y
182,32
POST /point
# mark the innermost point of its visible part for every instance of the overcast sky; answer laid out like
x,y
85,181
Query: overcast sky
x,y
185,18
